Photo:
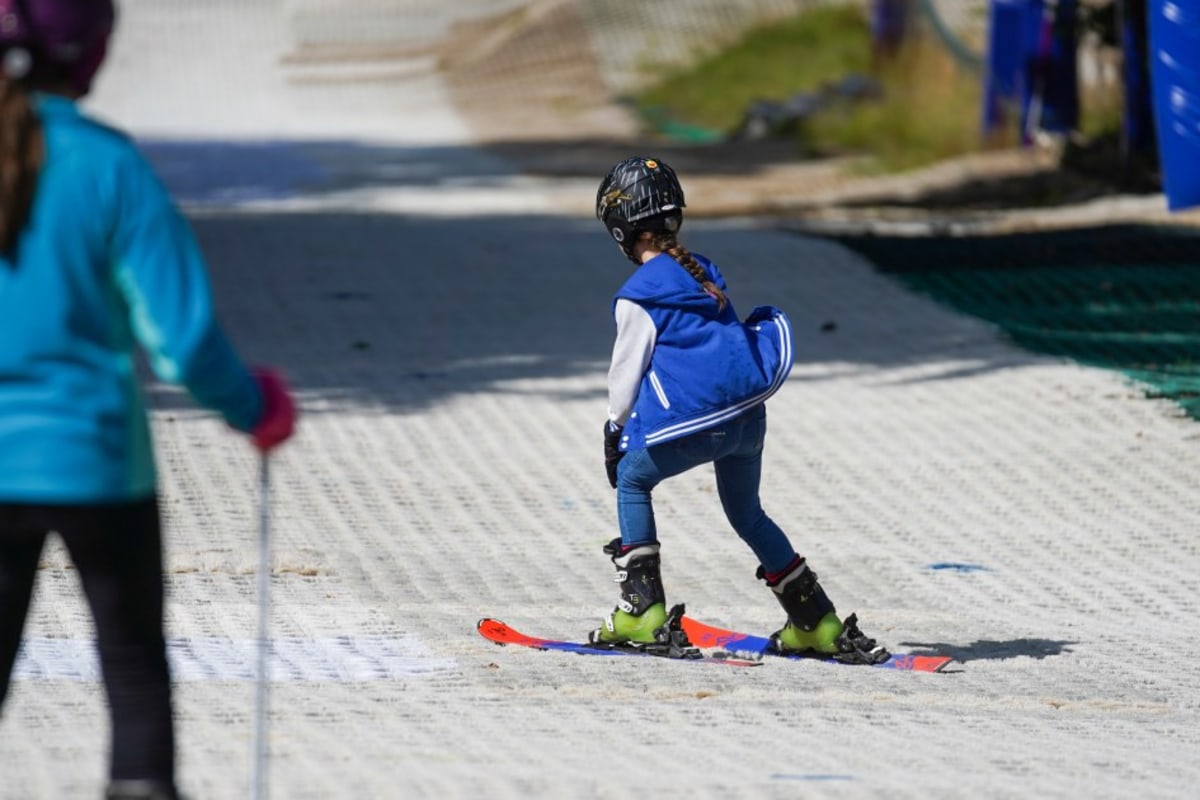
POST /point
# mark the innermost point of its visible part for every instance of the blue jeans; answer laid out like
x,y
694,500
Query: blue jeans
x,y
735,451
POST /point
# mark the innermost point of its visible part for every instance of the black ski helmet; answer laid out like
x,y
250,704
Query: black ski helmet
x,y
639,194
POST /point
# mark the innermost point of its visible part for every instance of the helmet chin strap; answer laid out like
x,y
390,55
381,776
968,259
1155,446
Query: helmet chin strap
x,y
628,251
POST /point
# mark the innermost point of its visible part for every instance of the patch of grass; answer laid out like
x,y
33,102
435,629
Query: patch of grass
x,y
772,62
1101,111
929,111
930,108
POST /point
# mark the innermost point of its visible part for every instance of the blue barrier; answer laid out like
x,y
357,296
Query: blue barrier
x,y
1013,28
1175,78
1030,65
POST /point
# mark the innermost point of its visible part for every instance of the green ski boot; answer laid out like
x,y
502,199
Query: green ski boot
x,y
642,609
813,627
821,639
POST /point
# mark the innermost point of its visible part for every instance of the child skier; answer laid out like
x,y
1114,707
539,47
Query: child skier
x,y
95,259
686,386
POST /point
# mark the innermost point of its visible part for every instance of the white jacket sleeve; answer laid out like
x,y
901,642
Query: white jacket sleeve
x,y
636,335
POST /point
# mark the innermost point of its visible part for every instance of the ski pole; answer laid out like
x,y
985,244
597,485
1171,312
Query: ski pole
x,y
264,606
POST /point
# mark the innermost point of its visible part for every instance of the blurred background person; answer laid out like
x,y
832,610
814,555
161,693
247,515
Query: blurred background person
x,y
95,260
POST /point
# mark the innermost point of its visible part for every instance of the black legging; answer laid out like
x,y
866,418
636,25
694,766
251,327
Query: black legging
x,y
117,550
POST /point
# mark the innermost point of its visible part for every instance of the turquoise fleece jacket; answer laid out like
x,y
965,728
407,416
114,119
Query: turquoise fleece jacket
x,y
105,264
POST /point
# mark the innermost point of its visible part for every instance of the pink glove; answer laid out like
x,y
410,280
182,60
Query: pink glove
x,y
279,411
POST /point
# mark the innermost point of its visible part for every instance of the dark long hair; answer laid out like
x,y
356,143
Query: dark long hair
x,y
669,243
21,152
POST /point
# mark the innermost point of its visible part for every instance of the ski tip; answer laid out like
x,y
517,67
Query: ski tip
x,y
495,630
918,663
944,663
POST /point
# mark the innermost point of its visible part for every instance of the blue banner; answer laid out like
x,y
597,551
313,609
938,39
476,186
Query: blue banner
x,y
1175,77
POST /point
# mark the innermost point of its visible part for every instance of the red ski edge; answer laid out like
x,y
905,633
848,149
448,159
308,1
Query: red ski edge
x,y
504,634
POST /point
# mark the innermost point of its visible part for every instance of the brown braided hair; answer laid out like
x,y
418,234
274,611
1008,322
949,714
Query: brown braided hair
x,y
21,152
666,242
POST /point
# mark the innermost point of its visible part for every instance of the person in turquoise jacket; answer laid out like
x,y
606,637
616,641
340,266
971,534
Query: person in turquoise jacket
x,y
96,262
686,386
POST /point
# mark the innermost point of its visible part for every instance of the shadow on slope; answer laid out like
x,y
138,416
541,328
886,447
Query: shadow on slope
x,y
988,650
407,309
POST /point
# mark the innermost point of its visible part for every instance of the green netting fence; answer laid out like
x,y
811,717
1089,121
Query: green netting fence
x,y
1122,297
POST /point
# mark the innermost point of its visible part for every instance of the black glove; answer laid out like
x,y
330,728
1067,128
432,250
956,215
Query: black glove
x,y
612,450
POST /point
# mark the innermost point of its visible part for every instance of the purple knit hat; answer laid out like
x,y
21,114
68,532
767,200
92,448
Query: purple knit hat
x,y
71,35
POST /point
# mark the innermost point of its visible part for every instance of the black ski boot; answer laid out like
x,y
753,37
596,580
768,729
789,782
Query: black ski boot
x,y
643,605
641,619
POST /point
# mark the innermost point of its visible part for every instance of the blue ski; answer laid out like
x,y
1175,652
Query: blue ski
x,y
747,645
